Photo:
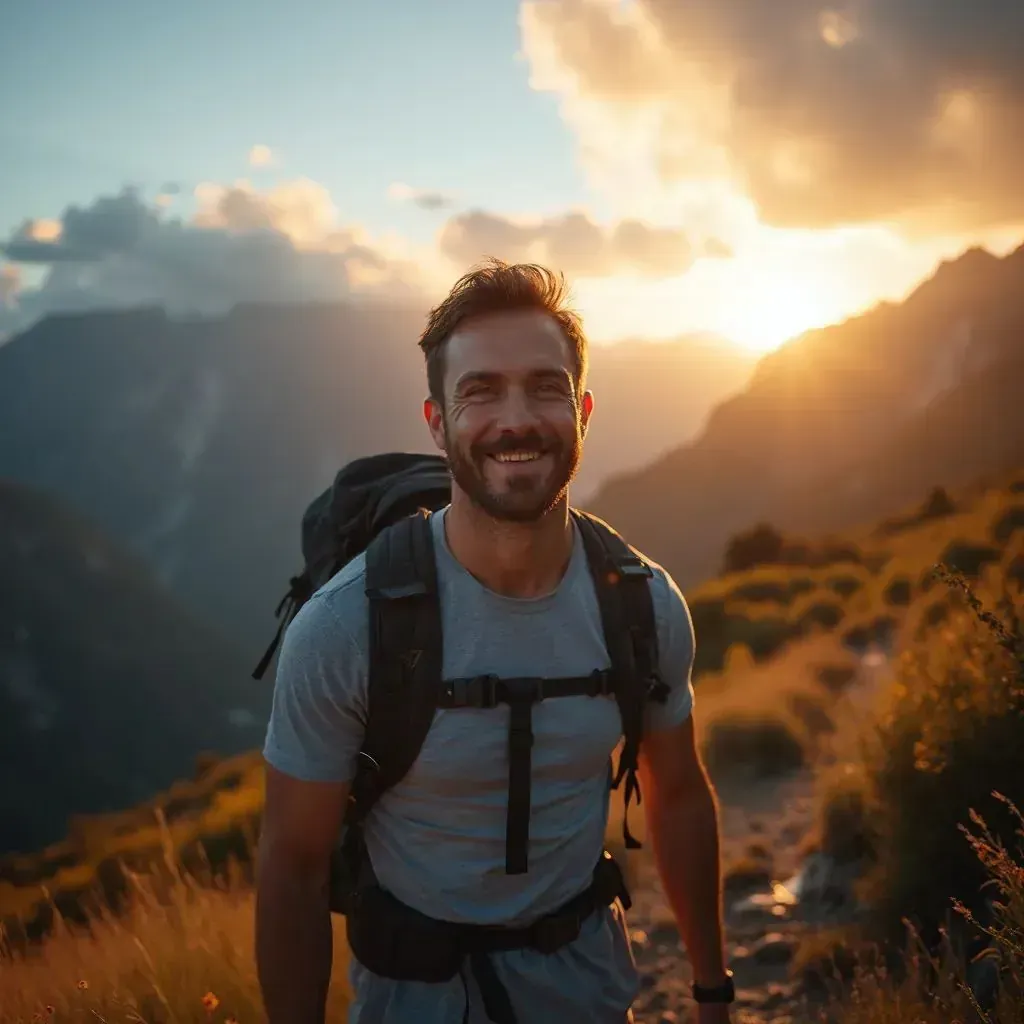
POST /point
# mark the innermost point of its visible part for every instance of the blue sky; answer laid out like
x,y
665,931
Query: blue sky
x,y
352,95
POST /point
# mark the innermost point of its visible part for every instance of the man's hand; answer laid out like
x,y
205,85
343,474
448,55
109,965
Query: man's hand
x,y
682,822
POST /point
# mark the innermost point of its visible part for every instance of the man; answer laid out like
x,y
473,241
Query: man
x,y
506,368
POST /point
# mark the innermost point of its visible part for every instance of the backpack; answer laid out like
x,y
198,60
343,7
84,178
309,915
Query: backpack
x,y
381,504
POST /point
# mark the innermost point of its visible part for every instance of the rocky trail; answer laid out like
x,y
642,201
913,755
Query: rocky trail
x,y
765,918
781,897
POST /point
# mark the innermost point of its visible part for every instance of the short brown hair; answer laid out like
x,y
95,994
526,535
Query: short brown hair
x,y
492,287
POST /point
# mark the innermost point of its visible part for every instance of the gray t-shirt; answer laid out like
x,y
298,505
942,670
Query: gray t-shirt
x,y
437,839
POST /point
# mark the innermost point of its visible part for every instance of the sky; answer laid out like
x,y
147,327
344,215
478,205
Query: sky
x,y
749,169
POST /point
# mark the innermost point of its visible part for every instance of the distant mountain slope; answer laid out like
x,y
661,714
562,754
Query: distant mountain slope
x,y
199,443
108,690
846,423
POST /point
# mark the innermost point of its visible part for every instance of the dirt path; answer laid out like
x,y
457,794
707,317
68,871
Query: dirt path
x,y
761,938
764,923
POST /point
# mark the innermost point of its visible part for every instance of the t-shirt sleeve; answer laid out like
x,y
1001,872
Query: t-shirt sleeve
x,y
318,712
676,648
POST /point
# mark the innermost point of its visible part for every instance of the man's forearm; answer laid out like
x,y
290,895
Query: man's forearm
x,y
684,834
294,945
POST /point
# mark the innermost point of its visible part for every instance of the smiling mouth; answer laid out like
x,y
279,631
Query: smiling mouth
x,y
507,457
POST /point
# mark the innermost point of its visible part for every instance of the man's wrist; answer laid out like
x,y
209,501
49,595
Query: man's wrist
x,y
718,989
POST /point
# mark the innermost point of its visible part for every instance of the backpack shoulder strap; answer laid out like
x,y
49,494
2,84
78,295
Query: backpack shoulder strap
x,y
621,577
405,657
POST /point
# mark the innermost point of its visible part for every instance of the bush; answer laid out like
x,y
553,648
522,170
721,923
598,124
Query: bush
x,y
948,733
898,591
945,985
875,631
782,590
844,827
760,545
835,678
968,558
844,586
1009,523
745,744
824,613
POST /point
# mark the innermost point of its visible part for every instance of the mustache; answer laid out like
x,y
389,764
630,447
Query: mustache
x,y
528,442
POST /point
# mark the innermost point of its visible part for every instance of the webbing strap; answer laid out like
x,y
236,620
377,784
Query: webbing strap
x,y
405,661
520,695
627,616
490,691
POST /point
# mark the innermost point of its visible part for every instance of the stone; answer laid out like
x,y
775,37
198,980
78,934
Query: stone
x,y
775,949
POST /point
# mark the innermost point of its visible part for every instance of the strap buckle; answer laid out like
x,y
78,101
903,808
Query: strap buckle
x,y
476,692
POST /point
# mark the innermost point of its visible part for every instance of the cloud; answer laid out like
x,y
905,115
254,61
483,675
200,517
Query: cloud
x,y
425,199
899,111
572,242
282,245
260,156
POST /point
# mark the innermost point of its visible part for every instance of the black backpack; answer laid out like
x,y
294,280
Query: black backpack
x,y
381,504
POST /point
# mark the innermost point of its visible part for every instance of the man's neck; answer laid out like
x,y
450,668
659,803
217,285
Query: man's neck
x,y
513,559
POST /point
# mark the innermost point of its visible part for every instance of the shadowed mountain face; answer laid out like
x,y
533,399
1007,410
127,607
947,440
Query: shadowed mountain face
x,y
198,444
845,424
108,689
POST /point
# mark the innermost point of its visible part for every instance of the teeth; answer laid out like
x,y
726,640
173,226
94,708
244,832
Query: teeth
x,y
517,456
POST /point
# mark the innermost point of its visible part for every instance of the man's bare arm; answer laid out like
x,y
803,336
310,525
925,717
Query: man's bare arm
x,y
682,823
294,948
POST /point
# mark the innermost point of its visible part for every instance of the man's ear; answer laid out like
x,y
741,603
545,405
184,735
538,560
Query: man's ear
x,y
586,408
434,416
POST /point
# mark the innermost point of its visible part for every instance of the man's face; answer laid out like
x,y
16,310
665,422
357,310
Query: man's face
x,y
512,426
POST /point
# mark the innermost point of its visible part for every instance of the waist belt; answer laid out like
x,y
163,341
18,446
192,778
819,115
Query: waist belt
x,y
394,940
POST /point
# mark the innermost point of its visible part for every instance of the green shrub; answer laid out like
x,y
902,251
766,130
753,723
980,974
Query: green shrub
x,y
968,558
845,585
875,631
949,733
898,591
764,635
1009,523
825,613
1015,571
942,985
754,744
844,826
780,590
835,678
760,545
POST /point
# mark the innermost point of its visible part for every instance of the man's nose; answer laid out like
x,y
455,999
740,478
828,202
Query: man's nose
x,y
516,410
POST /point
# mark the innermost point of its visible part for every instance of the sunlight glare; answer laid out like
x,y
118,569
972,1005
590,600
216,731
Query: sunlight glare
x,y
766,312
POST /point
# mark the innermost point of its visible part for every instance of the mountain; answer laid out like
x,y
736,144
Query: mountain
x,y
844,424
198,443
108,689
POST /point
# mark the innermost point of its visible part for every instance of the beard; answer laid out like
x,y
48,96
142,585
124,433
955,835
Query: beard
x,y
522,499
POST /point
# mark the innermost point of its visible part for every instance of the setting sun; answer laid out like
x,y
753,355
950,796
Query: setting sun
x,y
768,311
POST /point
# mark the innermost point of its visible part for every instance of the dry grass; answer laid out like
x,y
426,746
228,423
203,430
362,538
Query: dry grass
x,y
950,984
182,954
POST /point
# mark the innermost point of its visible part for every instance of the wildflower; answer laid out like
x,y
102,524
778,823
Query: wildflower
x,y
210,1002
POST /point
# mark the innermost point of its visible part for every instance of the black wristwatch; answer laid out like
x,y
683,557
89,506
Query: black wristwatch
x,y
724,993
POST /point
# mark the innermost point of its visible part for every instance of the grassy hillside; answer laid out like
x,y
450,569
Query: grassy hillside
x,y
108,689
780,644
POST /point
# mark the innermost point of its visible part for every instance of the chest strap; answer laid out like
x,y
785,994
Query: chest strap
x,y
520,694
